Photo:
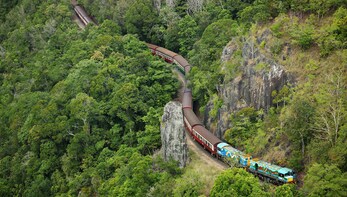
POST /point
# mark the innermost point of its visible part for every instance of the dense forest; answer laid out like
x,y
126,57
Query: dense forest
x,y
80,109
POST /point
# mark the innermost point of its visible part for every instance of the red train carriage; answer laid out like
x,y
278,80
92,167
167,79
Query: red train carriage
x,y
83,15
167,55
206,139
200,133
187,99
181,63
170,57
190,119
152,47
187,70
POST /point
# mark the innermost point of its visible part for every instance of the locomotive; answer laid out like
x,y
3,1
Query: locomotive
x,y
224,151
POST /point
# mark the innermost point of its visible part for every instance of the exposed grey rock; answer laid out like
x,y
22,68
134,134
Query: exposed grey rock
x,y
2,52
173,136
157,4
228,51
195,5
253,87
170,3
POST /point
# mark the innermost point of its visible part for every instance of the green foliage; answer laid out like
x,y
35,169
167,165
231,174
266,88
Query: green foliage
x,y
139,18
261,66
297,120
5,7
286,190
334,35
237,182
232,68
283,96
213,39
190,185
255,13
70,101
340,22
205,55
276,46
246,124
303,36
187,34
217,103
325,180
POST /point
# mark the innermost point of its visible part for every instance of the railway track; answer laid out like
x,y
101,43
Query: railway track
x,y
193,145
264,170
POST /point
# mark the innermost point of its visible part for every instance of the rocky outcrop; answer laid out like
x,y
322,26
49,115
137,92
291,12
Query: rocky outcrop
x,y
173,136
260,76
170,3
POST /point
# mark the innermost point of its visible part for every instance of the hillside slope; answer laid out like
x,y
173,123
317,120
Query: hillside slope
x,y
79,110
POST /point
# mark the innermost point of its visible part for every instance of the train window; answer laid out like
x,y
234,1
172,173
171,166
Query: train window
x,y
281,175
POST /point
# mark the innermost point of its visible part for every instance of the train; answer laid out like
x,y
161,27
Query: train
x,y
222,150
215,146
82,15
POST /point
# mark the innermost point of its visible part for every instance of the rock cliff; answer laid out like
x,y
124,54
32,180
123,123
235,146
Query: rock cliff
x,y
173,136
259,76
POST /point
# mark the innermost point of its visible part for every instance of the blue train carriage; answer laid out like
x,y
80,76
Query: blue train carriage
x,y
233,156
272,173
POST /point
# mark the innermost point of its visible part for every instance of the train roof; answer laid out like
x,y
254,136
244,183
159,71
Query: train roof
x,y
285,170
181,60
152,46
207,134
187,99
229,148
272,167
191,117
187,69
79,9
166,51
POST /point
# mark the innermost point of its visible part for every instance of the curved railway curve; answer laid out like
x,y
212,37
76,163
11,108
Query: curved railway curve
x,y
215,146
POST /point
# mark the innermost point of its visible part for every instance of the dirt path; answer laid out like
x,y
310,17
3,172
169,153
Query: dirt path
x,y
211,162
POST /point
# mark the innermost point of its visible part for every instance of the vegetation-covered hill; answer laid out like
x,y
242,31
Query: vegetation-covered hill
x,y
79,110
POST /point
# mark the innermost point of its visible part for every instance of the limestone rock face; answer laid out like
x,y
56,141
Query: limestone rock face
x,y
261,75
173,136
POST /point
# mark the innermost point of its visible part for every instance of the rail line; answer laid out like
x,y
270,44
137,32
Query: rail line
x,y
215,146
